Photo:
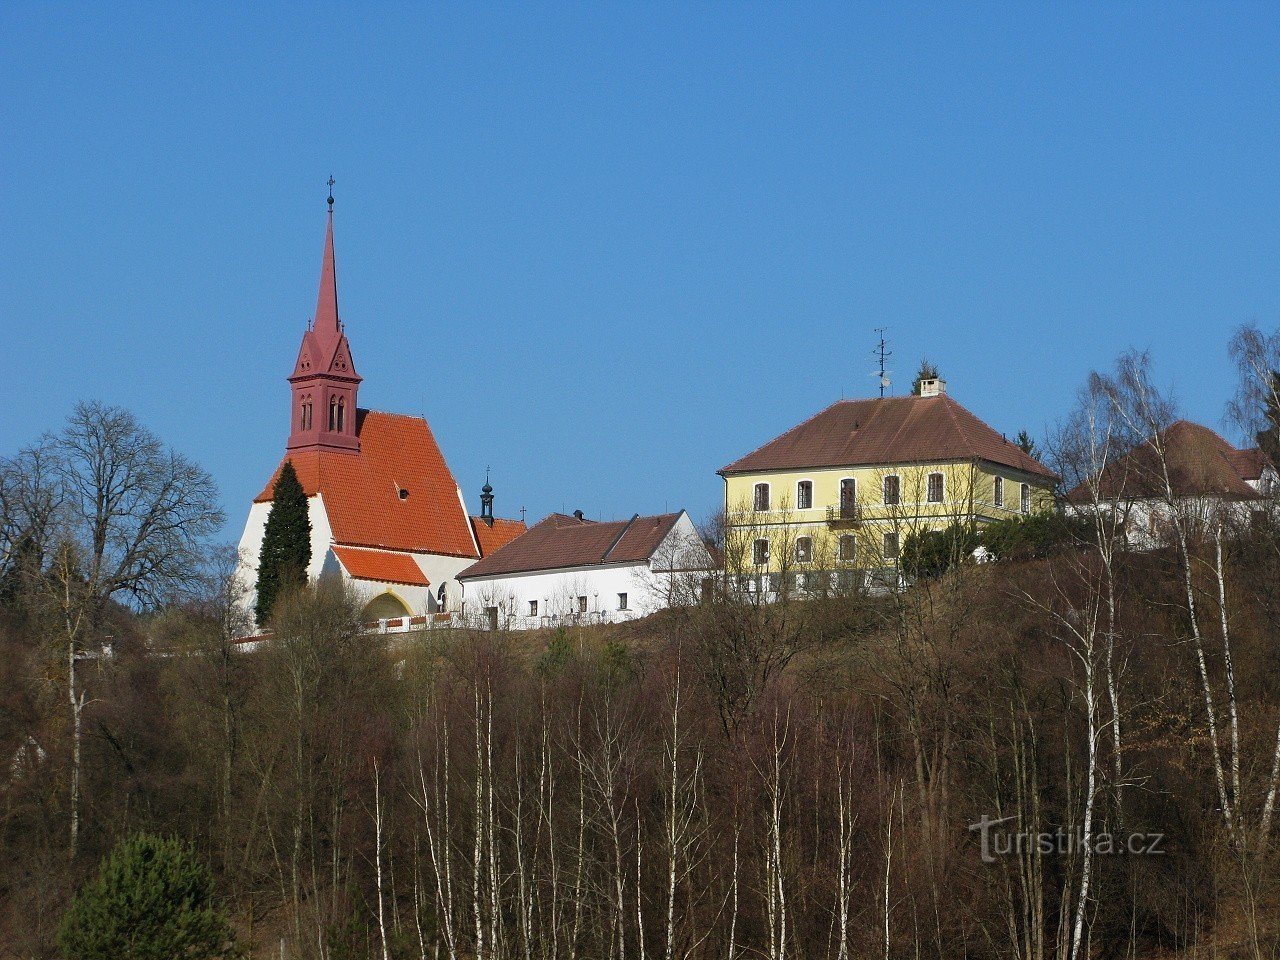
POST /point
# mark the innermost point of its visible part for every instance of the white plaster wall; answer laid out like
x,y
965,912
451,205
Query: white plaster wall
x,y
647,584
250,546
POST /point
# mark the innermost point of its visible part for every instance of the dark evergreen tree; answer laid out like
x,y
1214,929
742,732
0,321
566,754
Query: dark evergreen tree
x,y
1027,445
1269,437
286,541
151,900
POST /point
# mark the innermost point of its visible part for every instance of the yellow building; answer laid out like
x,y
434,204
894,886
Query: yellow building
x,y
844,490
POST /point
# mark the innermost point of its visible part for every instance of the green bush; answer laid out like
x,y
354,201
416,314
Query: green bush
x,y
151,900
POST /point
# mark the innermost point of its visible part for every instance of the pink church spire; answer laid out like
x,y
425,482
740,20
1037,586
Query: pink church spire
x,y
326,323
324,380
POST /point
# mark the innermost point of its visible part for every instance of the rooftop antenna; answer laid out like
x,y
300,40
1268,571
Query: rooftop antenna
x,y
883,353
522,510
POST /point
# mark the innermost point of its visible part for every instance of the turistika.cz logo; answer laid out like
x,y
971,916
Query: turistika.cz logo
x,y
997,843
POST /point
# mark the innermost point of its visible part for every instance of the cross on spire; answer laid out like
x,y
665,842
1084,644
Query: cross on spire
x,y
331,183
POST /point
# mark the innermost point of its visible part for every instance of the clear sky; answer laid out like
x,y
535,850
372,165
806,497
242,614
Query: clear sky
x,y
606,249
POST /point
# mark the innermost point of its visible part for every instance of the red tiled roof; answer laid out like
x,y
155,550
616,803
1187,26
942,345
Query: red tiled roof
x,y
888,430
559,541
381,565
361,490
499,535
1200,463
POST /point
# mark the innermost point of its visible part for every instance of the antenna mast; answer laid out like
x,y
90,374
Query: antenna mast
x,y
882,353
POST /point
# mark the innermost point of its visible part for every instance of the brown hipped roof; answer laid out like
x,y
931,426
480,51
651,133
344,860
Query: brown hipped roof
x,y
1200,463
560,541
888,430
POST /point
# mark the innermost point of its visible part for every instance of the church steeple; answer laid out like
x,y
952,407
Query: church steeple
x,y
324,380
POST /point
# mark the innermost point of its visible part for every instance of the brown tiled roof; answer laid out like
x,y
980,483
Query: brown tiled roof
x,y
361,490
498,536
1200,463
384,565
888,430
559,541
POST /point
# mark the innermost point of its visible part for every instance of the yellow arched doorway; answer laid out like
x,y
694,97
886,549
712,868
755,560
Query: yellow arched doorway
x,y
385,606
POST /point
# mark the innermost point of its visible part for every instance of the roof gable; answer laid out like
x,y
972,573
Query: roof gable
x,y
361,489
888,430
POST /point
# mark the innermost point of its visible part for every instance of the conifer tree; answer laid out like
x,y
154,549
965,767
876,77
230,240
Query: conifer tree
x,y
152,900
1027,445
286,541
927,371
1269,438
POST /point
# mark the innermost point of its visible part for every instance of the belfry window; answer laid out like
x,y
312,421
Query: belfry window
x,y
342,414
333,413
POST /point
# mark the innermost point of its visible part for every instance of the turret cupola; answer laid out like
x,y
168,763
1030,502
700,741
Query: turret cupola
x,y
486,501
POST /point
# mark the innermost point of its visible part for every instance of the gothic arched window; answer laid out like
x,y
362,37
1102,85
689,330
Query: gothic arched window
x,y
333,413
342,414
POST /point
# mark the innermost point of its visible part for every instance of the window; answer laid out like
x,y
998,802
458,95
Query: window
x,y
533,608
1026,498
760,552
848,492
804,549
760,502
848,548
804,495
333,413
891,546
622,601
935,491
999,491
892,490
582,604
342,410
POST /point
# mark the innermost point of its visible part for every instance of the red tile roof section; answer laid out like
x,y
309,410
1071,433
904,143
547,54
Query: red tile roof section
x,y
560,541
1200,463
888,430
381,565
498,536
361,490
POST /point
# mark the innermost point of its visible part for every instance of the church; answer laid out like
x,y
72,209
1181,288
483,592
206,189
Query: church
x,y
386,513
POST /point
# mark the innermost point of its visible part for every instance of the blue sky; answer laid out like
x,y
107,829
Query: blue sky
x,y
606,249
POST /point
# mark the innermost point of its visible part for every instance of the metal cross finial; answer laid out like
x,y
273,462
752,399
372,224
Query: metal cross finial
x,y
331,183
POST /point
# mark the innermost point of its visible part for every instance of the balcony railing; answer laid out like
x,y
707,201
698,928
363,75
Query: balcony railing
x,y
844,513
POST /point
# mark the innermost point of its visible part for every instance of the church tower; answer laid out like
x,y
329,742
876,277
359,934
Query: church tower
x,y
324,380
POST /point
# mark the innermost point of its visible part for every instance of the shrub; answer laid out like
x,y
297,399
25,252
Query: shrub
x,y
151,900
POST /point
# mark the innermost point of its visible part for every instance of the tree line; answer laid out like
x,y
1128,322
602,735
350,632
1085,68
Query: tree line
x,y
957,768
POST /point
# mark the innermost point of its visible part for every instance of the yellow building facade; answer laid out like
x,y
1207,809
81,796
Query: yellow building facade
x,y
845,489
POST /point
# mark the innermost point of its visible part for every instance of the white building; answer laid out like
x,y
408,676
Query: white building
x,y
567,569
1185,467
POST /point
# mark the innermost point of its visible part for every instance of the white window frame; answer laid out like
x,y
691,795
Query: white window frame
x,y
756,551
533,608
799,483
884,489
808,554
1024,498
997,491
840,491
942,486
884,545
852,554
755,497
